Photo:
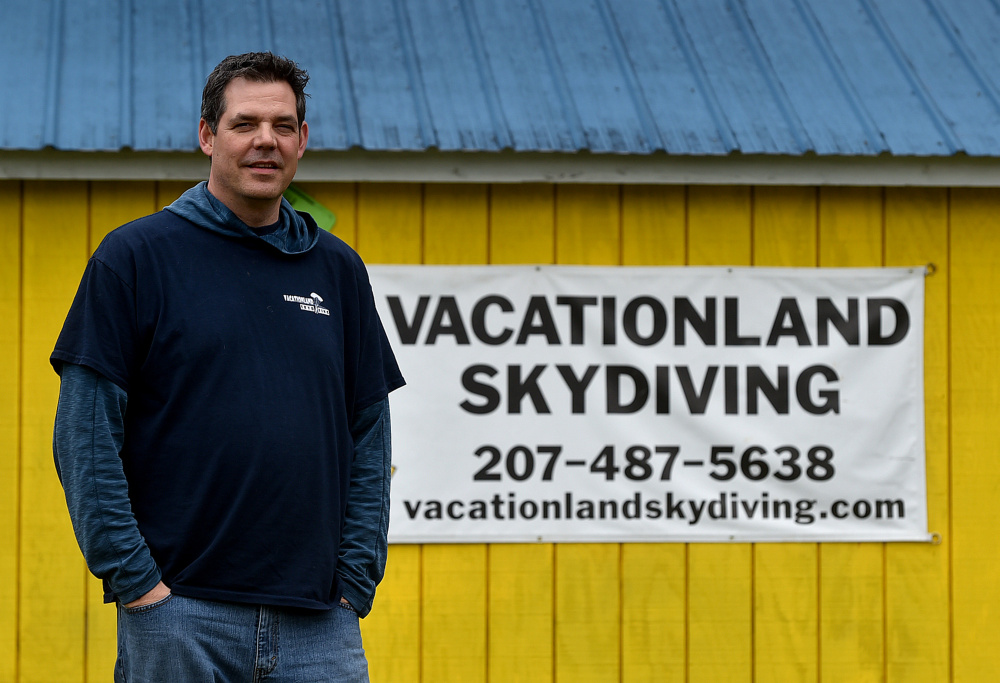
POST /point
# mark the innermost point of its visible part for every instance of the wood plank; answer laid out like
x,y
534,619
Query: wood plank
x,y
785,612
520,612
785,230
720,627
654,606
654,576
522,224
850,227
975,431
588,612
852,635
391,632
456,223
112,204
851,609
454,618
10,418
587,618
720,612
52,618
102,633
719,226
785,574
390,223
588,225
917,574
453,615
653,225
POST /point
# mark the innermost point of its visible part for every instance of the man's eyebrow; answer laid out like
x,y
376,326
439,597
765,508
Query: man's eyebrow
x,y
241,116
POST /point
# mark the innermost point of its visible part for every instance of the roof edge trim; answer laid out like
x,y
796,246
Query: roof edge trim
x,y
535,167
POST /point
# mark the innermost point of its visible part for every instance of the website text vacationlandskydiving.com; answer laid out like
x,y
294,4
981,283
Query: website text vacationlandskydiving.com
x,y
669,507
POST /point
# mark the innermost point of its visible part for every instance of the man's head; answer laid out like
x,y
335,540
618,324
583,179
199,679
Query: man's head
x,y
258,67
253,129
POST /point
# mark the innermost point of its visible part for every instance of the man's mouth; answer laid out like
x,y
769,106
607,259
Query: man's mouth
x,y
264,165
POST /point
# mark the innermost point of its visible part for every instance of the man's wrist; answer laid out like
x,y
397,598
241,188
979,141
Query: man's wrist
x,y
157,593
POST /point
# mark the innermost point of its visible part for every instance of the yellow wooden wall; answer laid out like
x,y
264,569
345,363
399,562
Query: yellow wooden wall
x,y
575,612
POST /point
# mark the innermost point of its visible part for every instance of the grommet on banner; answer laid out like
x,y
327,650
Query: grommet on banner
x,y
930,269
936,538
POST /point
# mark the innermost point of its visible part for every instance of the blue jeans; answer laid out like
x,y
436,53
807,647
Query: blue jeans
x,y
184,640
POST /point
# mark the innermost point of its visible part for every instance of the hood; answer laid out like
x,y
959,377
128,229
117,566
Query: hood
x,y
297,233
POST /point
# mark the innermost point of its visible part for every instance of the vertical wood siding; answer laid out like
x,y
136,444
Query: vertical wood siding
x,y
574,612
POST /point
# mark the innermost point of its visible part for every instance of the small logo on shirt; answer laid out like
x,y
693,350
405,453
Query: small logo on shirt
x,y
309,303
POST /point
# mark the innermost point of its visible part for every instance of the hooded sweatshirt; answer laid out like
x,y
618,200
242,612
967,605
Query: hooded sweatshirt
x,y
255,444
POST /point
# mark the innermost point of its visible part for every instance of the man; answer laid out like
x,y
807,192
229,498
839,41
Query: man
x,y
222,433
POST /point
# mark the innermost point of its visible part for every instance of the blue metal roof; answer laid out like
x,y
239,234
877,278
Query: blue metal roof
x,y
688,77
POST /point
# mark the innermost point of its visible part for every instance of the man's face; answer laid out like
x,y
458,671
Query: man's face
x,y
255,150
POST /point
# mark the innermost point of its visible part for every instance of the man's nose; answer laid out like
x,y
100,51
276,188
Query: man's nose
x,y
265,136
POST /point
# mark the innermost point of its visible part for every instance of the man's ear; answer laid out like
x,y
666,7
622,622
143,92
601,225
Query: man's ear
x,y
303,138
206,138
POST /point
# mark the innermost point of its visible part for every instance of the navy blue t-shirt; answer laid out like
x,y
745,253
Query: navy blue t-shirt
x,y
244,367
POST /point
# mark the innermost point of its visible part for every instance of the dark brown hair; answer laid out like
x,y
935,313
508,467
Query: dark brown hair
x,y
260,67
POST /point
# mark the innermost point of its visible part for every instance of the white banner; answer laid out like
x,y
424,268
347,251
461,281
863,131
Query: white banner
x,y
564,403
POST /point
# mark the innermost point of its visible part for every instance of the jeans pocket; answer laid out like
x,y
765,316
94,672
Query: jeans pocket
x,y
140,609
